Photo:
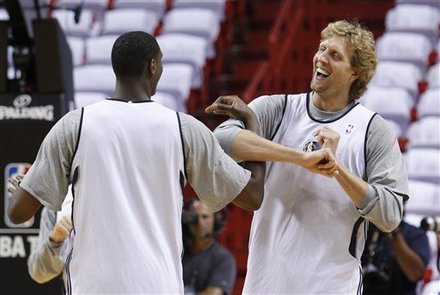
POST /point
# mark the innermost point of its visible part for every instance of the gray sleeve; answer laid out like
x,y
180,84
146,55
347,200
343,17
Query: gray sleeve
x,y
214,176
269,112
46,261
49,176
386,176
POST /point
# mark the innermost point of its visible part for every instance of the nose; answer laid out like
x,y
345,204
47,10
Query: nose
x,y
322,57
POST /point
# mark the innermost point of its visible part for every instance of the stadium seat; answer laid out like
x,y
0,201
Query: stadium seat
x,y
424,133
97,6
166,100
433,287
429,103
119,21
187,49
424,198
4,14
176,80
416,18
158,7
217,6
408,77
84,28
408,47
99,49
78,50
392,103
194,21
94,78
84,98
433,76
423,164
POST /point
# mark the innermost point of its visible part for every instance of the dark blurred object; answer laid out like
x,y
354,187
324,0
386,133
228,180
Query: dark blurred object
x,y
377,283
189,217
430,223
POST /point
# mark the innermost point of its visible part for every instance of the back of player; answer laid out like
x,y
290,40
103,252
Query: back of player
x,y
128,164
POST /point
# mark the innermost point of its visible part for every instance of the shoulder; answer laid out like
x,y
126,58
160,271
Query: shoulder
x,y
189,122
381,131
412,231
192,129
264,102
221,252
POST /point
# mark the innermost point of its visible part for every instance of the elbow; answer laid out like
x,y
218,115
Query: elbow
x,y
256,202
250,199
15,217
416,274
391,225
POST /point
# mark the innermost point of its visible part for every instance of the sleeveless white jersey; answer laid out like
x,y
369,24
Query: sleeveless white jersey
x,y
307,237
127,201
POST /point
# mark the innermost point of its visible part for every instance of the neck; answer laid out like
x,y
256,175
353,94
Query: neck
x,y
131,91
330,103
202,244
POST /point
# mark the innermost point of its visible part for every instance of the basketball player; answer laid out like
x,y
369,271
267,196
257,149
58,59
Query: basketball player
x,y
308,236
128,159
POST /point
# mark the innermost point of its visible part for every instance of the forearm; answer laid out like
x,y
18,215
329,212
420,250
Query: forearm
x,y
46,263
248,146
353,185
410,263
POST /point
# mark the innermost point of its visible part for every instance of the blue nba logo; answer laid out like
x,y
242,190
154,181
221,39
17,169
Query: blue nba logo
x,y
12,170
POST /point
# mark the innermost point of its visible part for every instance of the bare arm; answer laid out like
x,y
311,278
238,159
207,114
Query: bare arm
x,y
248,145
22,205
409,261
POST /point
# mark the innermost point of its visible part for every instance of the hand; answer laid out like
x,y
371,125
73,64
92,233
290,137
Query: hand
x,y
321,162
14,182
327,138
231,106
61,229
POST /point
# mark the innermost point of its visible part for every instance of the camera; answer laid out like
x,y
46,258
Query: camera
x,y
430,223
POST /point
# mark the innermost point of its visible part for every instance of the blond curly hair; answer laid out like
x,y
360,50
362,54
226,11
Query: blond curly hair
x,y
364,59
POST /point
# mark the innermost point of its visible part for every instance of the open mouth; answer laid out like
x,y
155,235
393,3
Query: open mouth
x,y
321,74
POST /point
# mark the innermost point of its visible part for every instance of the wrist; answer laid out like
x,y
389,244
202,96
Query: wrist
x,y
55,240
251,122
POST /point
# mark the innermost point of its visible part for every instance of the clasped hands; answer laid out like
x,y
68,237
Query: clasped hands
x,y
322,161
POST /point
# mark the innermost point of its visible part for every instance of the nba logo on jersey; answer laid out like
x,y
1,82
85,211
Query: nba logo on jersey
x,y
12,170
349,129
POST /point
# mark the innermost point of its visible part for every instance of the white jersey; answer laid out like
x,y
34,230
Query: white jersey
x,y
128,192
308,236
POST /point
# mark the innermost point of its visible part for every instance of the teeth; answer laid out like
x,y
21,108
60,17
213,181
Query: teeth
x,y
323,72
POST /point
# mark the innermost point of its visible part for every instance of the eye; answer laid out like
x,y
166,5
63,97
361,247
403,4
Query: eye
x,y
321,49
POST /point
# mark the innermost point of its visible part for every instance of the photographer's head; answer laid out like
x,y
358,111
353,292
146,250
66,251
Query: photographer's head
x,y
203,224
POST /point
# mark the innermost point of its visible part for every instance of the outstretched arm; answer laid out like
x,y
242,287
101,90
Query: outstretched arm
x,y
249,146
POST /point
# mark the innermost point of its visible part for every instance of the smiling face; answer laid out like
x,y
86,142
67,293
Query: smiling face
x,y
332,71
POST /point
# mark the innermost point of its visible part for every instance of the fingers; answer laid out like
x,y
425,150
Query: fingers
x,y
222,103
13,183
62,228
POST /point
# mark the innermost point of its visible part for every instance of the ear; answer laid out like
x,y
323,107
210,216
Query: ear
x,y
152,67
354,76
